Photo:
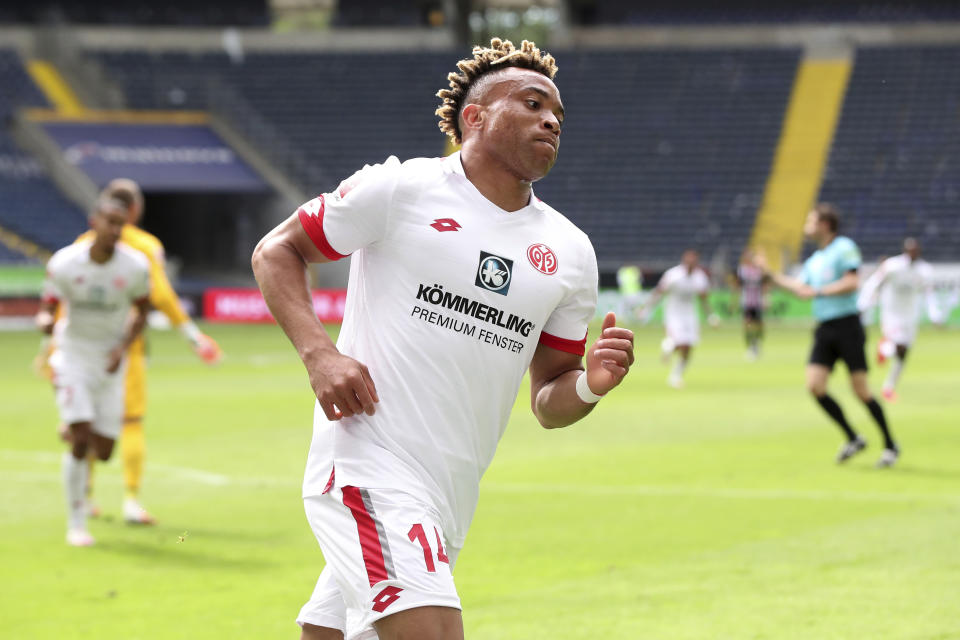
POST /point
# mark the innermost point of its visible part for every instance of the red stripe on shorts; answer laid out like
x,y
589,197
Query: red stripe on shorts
x,y
369,538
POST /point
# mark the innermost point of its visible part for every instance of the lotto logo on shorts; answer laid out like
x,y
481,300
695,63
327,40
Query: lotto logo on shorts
x,y
386,598
493,273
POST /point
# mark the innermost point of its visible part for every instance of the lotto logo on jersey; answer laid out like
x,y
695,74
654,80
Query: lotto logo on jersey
x,y
493,273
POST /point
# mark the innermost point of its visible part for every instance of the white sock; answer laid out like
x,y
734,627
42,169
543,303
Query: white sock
x,y
679,366
895,369
74,485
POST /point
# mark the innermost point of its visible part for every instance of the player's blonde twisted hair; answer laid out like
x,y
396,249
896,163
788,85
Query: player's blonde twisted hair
x,y
501,54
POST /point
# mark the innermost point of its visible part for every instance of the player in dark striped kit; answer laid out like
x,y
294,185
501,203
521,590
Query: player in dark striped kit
x,y
752,285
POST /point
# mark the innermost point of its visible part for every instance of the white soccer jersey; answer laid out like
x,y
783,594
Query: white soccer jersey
x,y
682,289
97,297
448,298
902,285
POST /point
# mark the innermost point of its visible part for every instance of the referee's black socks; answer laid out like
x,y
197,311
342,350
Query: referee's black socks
x,y
834,411
877,412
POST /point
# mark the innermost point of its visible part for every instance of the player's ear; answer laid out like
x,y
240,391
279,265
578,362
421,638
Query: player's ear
x,y
471,117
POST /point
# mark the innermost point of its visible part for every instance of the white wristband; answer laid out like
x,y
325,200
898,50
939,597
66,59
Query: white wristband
x,y
584,392
191,332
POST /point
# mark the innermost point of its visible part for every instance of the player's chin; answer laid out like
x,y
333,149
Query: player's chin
x,y
538,168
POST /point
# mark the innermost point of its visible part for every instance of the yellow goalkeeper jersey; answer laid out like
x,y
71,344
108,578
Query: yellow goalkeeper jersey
x,y
162,295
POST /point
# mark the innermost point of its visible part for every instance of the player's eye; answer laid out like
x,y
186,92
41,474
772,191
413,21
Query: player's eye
x,y
533,104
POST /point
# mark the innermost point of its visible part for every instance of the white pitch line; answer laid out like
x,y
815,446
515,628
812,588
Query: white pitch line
x,y
214,479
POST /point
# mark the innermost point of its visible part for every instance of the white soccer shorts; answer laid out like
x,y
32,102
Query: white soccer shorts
x,y
87,393
898,330
385,553
683,330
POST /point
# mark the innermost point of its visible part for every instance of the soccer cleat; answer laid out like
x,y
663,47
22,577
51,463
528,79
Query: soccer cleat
x,y
889,394
850,449
888,458
133,513
79,538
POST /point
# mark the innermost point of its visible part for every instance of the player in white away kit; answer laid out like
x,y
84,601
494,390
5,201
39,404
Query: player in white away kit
x,y
98,281
460,281
682,285
900,282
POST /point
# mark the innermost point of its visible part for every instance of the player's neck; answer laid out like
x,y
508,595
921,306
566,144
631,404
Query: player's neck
x,y
100,253
826,240
496,183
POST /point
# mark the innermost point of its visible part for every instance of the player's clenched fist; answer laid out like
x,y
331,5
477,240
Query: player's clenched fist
x,y
342,385
610,357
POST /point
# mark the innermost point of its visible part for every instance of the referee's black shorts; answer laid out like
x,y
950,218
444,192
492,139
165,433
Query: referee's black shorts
x,y
841,338
753,314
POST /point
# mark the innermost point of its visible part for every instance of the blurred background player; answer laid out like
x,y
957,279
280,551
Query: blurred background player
x,y
899,283
629,283
751,283
830,278
681,285
163,298
97,280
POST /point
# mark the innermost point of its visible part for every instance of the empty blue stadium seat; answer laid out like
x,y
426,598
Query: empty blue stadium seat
x,y
30,204
895,164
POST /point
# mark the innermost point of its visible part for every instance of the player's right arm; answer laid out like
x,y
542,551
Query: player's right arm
x,y
50,298
342,385
795,286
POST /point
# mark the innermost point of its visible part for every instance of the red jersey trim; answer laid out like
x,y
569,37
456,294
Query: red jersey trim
x,y
313,225
50,300
576,347
369,537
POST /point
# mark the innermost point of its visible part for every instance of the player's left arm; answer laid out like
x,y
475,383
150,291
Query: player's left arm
x,y
712,318
135,326
554,375
164,298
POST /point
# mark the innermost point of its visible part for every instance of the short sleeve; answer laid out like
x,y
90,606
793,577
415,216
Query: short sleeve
x,y
141,285
848,257
354,215
52,285
666,280
703,282
566,328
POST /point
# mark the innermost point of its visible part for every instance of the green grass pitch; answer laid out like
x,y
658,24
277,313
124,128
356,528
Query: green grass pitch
x,y
711,512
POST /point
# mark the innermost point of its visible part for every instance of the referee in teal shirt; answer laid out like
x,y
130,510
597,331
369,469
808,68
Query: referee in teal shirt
x,y
830,278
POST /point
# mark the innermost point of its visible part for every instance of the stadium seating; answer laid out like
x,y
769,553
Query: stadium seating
x,y
140,12
662,149
895,164
30,205
619,12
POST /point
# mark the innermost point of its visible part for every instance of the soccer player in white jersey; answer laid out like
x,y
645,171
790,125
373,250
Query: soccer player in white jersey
x,y
901,283
682,285
461,280
98,281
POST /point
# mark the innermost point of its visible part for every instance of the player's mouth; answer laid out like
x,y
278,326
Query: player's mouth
x,y
552,142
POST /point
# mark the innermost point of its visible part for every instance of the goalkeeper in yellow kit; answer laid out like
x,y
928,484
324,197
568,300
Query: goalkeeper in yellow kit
x,y
162,297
